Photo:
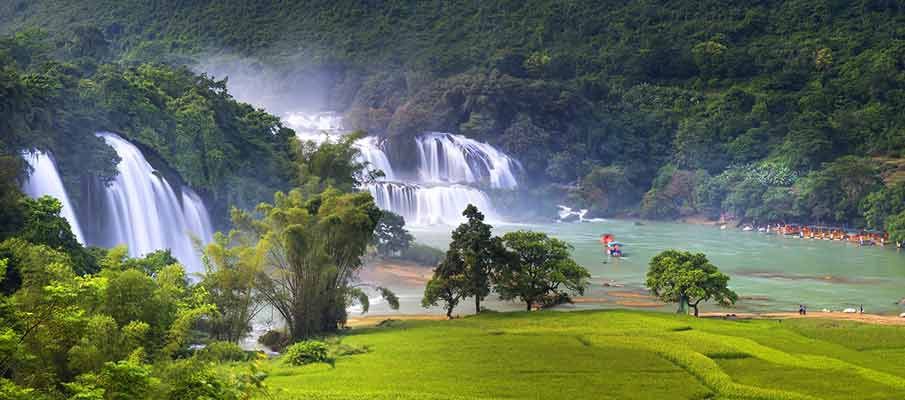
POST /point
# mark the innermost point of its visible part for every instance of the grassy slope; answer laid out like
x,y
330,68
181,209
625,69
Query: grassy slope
x,y
608,354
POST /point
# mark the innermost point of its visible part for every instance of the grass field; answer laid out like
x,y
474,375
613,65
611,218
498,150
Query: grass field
x,y
606,354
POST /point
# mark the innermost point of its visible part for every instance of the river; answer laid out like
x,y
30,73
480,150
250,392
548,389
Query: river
x,y
769,272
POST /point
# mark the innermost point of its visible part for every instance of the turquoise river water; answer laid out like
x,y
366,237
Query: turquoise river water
x,y
769,272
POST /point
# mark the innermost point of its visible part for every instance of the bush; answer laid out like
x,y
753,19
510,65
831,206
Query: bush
x,y
274,340
307,352
422,254
222,351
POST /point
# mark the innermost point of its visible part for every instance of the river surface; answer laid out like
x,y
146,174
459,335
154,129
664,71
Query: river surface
x,y
769,272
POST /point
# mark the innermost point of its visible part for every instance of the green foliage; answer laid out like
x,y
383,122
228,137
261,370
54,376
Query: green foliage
x,y
422,254
390,235
222,352
306,352
542,270
688,279
229,279
467,268
313,247
274,340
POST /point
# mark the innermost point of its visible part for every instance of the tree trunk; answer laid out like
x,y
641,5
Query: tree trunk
x,y
682,303
695,306
529,306
477,304
449,311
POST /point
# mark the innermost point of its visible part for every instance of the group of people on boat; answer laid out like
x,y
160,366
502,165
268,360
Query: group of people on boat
x,y
861,237
610,246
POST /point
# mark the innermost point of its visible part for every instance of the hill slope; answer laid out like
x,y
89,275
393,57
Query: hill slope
x,y
665,108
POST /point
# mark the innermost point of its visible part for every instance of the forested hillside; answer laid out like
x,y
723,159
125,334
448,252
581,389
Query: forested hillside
x,y
762,110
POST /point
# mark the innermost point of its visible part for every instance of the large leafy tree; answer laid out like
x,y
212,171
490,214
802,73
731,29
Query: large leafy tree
x,y
311,248
688,279
469,262
541,270
390,235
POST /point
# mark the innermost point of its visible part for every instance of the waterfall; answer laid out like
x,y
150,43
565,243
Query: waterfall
x,y
44,180
421,205
446,158
142,210
448,166
373,154
448,175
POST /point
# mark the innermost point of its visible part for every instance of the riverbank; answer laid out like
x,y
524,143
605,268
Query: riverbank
x,y
876,319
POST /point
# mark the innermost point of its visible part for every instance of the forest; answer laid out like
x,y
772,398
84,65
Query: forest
x,y
765,111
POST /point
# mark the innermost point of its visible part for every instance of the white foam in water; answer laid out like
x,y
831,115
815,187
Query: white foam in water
x,y
44,180
142,210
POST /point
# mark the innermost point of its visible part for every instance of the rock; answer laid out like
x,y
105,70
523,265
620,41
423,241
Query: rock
x,y
902,315
850,310
570,218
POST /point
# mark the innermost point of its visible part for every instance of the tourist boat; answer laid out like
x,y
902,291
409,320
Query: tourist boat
x,y
611,246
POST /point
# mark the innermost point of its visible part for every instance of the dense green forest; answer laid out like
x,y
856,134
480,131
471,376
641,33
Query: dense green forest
x,y
765,111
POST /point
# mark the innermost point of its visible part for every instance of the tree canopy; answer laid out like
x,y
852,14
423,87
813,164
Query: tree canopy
x,y
688,279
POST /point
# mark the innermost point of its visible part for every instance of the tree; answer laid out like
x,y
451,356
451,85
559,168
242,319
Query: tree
x,y
229,278
688,279
447,284
390,235
474,252
311,249
541,271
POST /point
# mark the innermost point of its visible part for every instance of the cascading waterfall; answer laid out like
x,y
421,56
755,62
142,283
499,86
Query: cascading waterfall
x,y
373,154
447,167
447,158
450,169
143,211
421,205
44,180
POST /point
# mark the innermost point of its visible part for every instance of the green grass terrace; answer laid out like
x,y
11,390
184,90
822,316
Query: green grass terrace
x,y
612,354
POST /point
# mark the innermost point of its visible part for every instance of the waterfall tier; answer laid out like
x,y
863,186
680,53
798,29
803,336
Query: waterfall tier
x,y
141,209
44,180
447,158
444,172
421,205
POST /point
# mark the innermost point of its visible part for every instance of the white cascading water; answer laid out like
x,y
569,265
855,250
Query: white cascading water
x,y
421,205
143,211
447,158
448,169
44,180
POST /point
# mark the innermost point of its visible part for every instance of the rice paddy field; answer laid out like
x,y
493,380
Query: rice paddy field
x,y
604,354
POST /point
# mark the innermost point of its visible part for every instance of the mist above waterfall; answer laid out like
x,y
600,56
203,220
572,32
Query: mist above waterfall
x,y
44,180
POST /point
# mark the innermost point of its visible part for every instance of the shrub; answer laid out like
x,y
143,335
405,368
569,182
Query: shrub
x,y
274,340
422,254
222,351
307,352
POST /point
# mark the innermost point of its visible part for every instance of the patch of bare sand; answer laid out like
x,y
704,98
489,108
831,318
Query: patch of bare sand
x,y
865,318
630,295
377,319
393,271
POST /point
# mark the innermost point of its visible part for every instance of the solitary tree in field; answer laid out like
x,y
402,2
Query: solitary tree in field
x,y
541,270
467,267
688,279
